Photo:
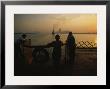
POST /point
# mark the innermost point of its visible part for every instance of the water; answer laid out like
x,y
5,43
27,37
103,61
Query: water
x,y
42,39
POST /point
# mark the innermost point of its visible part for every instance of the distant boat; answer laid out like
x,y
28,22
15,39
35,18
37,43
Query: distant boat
x,y
53,32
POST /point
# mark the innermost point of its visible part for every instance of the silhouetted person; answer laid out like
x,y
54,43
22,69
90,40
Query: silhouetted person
x,y
19,55
70,48
56,54
22,41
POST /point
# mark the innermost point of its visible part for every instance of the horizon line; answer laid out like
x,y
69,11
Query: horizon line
x,y
48,33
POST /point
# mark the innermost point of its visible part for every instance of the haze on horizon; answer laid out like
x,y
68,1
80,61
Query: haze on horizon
x,y
44,23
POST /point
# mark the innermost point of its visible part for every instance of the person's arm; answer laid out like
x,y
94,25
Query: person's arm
x,y
62,44
49,45
74,42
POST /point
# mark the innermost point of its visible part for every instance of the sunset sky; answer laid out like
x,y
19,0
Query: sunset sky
x,y
44,23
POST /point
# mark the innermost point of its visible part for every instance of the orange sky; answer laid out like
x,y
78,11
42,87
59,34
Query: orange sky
x,y
80,23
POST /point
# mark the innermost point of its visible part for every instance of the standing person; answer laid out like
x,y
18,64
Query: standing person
x,y
25,51
70,48
19,50
56,54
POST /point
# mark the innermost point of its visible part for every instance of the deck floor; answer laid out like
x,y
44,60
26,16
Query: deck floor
x,y
85,65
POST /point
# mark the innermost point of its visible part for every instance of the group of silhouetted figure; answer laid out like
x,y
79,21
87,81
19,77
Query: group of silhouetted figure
x,y
69,49
57,48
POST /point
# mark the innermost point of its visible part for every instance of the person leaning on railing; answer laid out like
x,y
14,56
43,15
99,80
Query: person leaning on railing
x,y
56,54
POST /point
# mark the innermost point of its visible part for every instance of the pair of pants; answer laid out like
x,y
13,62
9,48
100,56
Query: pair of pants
x,y
71,54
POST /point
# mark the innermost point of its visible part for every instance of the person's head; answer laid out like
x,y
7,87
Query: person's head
x,y
70,33
57,37
24,36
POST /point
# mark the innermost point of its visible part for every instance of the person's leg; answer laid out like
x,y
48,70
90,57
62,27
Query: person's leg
x,y
71,56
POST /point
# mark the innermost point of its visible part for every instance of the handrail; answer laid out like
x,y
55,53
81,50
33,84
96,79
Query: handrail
x,y
81,44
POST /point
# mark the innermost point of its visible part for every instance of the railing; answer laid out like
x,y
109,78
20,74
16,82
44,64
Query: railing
x,y
86,44
37,50
81,44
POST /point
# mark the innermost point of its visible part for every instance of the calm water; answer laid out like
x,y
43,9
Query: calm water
x,y
42,39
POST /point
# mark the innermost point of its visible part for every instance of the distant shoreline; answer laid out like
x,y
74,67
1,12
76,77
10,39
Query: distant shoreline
x,y
55,33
